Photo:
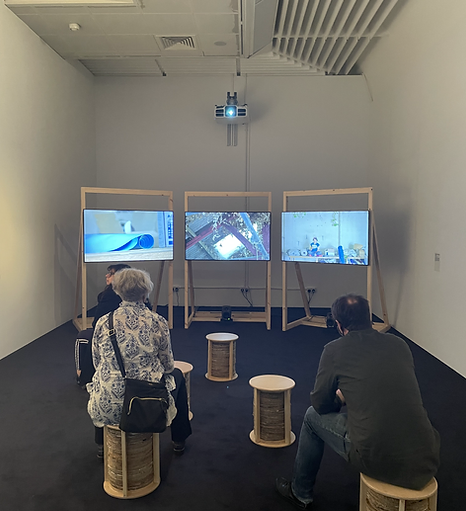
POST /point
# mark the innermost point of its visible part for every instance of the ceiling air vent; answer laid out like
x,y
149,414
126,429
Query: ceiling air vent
x,y
177,43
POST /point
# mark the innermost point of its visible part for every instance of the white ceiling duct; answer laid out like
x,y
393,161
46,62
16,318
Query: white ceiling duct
x,y
257,26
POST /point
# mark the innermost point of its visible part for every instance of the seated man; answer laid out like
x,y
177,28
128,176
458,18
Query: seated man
x,y
385,432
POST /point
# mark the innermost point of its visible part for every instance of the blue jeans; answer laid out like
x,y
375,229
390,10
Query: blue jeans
x,y
316,431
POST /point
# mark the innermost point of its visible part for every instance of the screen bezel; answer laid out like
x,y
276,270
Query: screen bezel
x,y
132,259
186,213
369,238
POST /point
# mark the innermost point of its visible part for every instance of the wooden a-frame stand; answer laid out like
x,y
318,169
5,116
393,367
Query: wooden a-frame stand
x,y
191,313
321,321
83,322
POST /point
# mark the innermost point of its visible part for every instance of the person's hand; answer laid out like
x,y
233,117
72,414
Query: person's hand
x,y
341,397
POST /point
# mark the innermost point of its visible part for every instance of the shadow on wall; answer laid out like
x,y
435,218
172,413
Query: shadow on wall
x,y
396,231
65,258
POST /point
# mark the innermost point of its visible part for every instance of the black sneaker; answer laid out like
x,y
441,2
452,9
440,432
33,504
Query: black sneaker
x,y
178,447
284,489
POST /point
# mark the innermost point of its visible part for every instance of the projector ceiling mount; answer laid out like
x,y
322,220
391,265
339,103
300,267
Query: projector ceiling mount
x,y
231,114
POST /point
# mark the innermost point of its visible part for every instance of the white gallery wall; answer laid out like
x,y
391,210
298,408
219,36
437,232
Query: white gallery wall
x,y
418,159
305,133
47,152
398,128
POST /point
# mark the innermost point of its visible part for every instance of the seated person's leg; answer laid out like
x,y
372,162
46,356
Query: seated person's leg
x,y
316,431
180,426
99,440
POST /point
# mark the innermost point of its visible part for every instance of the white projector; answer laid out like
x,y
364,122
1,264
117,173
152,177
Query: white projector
x,y
231,114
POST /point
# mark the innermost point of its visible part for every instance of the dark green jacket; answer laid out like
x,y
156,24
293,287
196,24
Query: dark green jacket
x,y
392,438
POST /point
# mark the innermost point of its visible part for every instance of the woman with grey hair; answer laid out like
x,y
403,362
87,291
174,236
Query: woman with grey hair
x,y
143,337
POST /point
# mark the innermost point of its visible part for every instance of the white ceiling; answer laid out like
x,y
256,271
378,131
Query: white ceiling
x,y
173,37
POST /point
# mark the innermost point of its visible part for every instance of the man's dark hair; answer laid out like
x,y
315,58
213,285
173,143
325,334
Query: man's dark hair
x,y
352,312
118,267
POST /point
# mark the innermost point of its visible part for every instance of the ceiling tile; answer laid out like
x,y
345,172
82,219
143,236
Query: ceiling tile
x,y
94,45
60,44
19,11
218,6
170,24
197,65
135,66
217,23
130,9
59,24
166,6
121,23
68,9
38,24
135,44
220,44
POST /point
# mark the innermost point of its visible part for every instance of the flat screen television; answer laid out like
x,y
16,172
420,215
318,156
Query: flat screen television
x,y
227,235
335,237
122,235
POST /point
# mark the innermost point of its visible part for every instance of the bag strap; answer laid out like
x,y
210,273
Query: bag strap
x,y
111,332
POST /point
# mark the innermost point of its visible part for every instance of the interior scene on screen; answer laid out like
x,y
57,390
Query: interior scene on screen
x,y
123,235
336,237
227,236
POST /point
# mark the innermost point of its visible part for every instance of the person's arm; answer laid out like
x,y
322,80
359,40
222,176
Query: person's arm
x,y
165,348
324,397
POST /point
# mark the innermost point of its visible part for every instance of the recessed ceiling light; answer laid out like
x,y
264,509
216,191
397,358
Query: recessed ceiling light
x,y
74,27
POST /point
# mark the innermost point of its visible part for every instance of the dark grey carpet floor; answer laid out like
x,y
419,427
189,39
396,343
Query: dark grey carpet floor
x,y
47,453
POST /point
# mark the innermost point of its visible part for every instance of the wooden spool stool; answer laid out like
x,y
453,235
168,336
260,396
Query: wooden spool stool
x,y
186,368
131,463
377,496
221,357
272,410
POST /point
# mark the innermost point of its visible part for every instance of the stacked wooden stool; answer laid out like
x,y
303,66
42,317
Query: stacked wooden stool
x,y
131,463
377,496
272,410
221,357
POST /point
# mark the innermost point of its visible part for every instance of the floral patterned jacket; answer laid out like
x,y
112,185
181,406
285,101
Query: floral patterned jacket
x,y
143,337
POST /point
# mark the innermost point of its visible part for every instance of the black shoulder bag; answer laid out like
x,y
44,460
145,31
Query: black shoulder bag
x,y
145,403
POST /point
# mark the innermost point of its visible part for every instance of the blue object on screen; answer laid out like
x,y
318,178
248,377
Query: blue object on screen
x,y
332,237
341,255
123,235
96,243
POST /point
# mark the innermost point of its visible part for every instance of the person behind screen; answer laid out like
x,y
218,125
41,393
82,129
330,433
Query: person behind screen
x,y
384,431
143,337
107,300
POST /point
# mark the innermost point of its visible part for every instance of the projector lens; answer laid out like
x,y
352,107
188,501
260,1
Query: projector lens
x,y
230,111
